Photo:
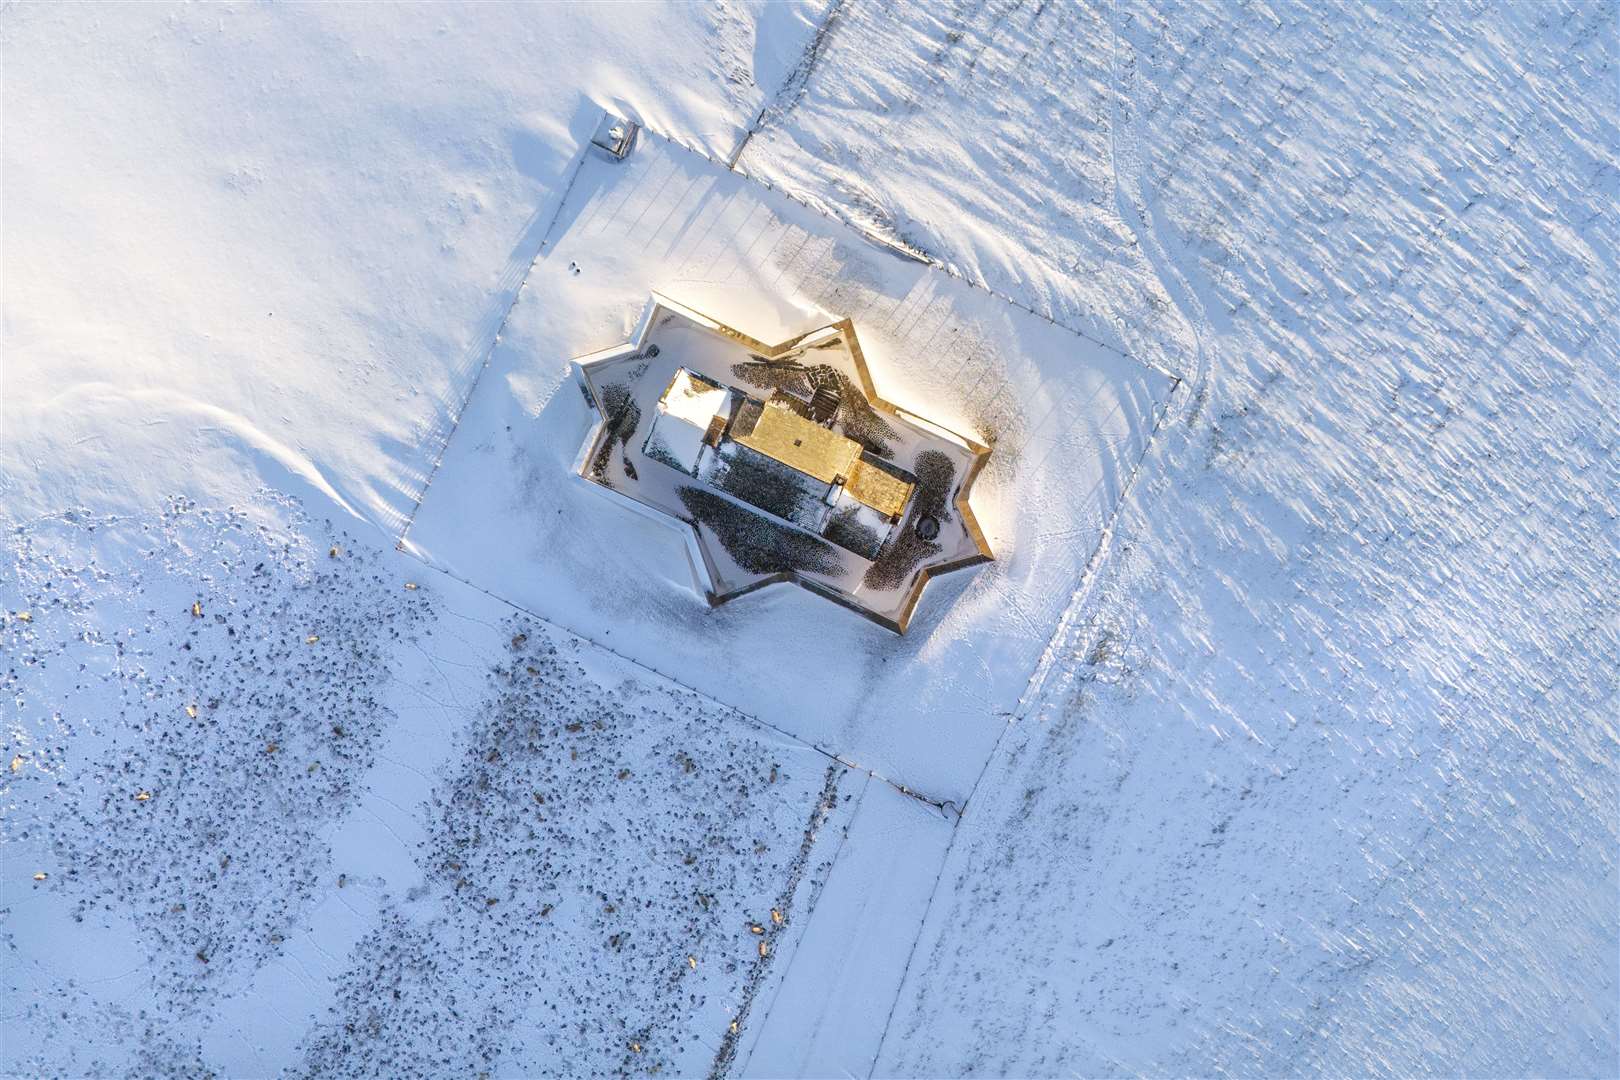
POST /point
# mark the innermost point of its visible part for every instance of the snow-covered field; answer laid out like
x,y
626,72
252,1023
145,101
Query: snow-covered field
x,y
331,817
1283,738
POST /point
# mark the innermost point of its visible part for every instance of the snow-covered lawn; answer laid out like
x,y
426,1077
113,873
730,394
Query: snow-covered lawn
x,y
194,698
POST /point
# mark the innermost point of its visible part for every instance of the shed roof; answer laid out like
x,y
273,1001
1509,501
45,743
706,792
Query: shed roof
x,y
877,488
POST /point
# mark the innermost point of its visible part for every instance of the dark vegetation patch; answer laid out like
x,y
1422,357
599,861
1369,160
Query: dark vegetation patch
x,y
861,422
757,544
621,417
784,373
596,860
907,550
846,531
127,1039
212,687
403,982
767,484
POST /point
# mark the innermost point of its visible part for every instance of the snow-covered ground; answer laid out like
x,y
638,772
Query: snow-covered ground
x,y
1317,768
291,234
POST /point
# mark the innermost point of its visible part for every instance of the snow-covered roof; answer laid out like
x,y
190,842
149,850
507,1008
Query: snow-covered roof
x,y
685,413
674,443
694,399
769,484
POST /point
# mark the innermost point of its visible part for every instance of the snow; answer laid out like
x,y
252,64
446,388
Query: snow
x,y
254,223
1280,738
542,845
828,1010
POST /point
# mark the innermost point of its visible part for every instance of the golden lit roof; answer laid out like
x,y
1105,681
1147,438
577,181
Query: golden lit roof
x,y
798,443
876,488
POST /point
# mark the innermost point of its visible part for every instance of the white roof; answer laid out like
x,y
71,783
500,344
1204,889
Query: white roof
x,y
684,414
694,399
